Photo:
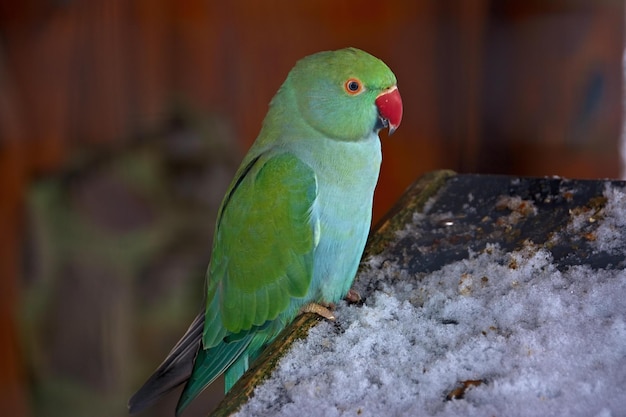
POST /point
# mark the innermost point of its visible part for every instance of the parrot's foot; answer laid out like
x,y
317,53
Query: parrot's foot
x,y
353,297
318,309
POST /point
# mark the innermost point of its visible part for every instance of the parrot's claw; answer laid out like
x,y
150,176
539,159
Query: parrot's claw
x,y
318,309
353,297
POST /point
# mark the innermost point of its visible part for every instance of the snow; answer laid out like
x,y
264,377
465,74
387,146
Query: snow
x,y
513,332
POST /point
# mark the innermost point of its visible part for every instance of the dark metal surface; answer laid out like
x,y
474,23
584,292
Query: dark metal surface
x,y
471,211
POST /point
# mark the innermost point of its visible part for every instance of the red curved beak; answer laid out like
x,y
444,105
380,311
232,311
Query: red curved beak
x,y
389,105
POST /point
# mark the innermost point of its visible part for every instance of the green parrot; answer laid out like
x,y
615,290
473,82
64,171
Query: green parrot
x,y
293,224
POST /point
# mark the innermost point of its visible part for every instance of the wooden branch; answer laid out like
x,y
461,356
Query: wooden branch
x,y
413,200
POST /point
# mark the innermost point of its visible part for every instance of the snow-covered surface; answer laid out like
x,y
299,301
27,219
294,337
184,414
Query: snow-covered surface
x,y
528,337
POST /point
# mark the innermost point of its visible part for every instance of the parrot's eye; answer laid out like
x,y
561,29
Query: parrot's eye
x,y
353,86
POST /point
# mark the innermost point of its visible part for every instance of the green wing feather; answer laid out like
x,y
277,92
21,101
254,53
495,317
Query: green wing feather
x,y
262,260
263,248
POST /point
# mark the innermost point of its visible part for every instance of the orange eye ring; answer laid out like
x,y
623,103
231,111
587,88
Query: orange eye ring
x,y
353,86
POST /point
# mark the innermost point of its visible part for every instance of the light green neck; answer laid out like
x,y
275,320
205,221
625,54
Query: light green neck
x,y
283,122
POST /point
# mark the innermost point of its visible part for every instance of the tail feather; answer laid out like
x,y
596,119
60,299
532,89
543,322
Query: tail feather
x,y
174,371
210,364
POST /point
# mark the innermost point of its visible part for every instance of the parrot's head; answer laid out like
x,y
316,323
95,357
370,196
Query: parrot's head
x,y
346,94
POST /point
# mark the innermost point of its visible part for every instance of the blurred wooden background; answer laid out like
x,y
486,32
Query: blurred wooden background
x,y
108,108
